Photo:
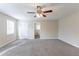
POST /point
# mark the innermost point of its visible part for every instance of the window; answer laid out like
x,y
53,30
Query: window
x,y
10,27
37,26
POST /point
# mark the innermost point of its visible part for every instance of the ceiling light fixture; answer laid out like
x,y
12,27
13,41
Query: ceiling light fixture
x,y
40,12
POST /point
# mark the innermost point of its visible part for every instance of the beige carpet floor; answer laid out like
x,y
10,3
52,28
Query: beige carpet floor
x,y
39,47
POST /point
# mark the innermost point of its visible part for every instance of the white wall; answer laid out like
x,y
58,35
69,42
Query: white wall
x,y
69,29
31,30
4,38
49,29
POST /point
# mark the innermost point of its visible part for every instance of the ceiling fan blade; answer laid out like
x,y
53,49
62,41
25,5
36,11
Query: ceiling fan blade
x,y
44,15
48,11
31,12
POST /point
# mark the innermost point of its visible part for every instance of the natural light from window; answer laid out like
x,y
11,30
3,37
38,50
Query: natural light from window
x,y
37,26
10,27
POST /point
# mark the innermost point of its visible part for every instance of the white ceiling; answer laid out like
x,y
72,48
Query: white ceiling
x,y
19,10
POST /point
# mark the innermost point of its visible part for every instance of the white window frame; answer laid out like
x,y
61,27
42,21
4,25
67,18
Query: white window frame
x,y
10,27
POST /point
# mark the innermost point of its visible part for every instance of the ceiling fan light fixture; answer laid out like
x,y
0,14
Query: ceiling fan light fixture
x,y
39,15
40,12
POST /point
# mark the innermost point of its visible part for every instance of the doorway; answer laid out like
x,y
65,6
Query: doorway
x,y
36,30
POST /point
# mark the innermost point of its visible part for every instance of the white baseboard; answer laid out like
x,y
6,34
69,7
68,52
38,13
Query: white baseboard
x,y
6,43
69,43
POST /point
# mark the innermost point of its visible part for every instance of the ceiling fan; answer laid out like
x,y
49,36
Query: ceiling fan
x,y
39,12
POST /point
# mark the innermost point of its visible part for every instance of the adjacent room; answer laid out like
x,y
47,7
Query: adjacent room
x,y
39,29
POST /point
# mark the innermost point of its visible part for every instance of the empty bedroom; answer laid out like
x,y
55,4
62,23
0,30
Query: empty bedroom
x,y
39,29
